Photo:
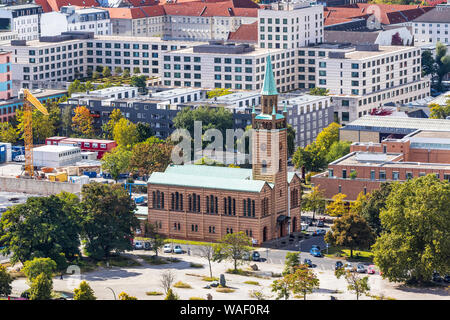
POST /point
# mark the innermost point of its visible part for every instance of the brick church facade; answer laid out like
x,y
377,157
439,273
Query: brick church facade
x,y
205,203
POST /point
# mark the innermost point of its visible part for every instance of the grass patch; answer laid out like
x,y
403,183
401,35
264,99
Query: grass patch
x,y
178,241
358,255
239,272
182,285
225,290
210,279
196,298
255,283
154,260
196,265
154,293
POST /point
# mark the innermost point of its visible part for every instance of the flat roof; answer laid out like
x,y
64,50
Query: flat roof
x,y
173,92
431,134
256,52
360,55
209,177
305,98
371,122
55,148
236,96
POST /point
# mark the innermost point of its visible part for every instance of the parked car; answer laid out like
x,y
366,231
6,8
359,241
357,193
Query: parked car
x,y
214,284
321,232
138,245
338,265
320,223
348,267
447,278
19,158
147,245
360,268
437,277
177,249
308,262
315,246
371,269
167,248
256,256
315,252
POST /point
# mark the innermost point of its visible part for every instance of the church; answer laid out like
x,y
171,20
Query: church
x,y
204,203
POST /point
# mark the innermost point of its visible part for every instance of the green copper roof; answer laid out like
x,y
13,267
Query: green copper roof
x,y
263,116
209,177
253,110
269,86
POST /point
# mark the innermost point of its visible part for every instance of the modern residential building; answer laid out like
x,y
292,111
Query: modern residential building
x,y
117,92
5,75
23,19
432,26
376,128
205,202
363,77
308,115
369,164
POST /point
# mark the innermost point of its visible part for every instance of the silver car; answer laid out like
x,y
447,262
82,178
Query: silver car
x,y
360,268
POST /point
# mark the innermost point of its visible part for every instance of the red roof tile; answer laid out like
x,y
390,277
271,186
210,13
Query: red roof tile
x,y
55,5
245,33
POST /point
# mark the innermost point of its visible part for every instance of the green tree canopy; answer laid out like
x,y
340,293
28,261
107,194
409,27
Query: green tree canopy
x,y
116,162
41,288
5,281
140,82
84,292
38,266
150,156
337,150
108,219
233,247
374,204
415,241
125,133
144,131
319,91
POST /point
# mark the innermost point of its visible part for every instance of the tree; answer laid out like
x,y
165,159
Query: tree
x,y
303,281
319,92
43,126
290,140
233,247
442,64
125,296
282,287
114,118
357,284
144,131
396,40
217,93
312,158
291,261
351,231
427,63
96,74
337,208
328,136
8,133
82,122
166,281
207,252
136,70
66,121
171,295
438,111
157,240
106,72
258,294
140,82
415,241
118,71
43,227
126,73
107,219
84,292
373,205
5,281
125,133
116,162
314,201
41,288
39,266
337,150
151,156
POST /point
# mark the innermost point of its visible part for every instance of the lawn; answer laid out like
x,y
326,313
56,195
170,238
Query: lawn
x,y
358,255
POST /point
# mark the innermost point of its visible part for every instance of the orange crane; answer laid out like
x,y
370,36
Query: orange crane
x,y
28,102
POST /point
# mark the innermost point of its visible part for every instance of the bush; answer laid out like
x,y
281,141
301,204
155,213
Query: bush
x,y
154,293
239,272
256,283
196,265
210,279
182,285
225,290
196,298
171,295
84,292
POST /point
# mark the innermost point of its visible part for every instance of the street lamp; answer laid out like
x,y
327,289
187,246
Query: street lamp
x,y
112,292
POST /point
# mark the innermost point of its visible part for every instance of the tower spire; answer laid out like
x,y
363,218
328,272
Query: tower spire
x,y
269,87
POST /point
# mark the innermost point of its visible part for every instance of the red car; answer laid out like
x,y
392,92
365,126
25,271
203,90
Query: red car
x,y
371,269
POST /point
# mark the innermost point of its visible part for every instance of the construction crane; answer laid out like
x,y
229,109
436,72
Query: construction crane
x,y
28,102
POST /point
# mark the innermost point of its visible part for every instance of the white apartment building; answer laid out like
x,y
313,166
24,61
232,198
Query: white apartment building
x,y
290,24
87,19
307,115
368,76
23,19
230,66
432,26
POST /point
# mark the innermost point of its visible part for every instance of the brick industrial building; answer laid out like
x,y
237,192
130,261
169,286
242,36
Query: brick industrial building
x,y
205,203
417,154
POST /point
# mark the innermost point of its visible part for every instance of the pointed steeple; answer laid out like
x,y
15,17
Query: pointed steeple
x,y
269,87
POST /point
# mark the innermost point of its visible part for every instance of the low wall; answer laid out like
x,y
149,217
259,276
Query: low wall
x,y
37,186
